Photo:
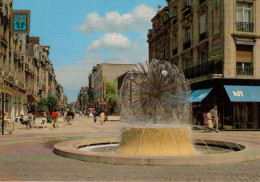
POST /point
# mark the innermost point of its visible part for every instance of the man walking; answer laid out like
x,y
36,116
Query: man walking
x,y
54,117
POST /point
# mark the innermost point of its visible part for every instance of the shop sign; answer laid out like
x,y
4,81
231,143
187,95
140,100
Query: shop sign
x,y
238,93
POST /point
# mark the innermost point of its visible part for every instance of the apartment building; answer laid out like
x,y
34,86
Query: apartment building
x,y
105,72
215,43
26,72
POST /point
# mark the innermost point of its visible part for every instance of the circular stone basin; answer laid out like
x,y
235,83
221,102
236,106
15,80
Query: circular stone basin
x,y
220,152
201,149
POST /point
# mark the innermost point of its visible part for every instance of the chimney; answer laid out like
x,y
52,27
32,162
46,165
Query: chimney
x,y
159,8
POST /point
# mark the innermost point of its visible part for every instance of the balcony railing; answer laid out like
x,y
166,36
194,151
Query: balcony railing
x,y
245,26
212,67
245,71
186,44
203,36
187,11
174,51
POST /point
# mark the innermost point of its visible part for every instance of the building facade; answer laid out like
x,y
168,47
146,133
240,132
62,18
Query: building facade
x,y
102,73
215,43
27,74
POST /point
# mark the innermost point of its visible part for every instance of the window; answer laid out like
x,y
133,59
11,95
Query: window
x,y
187,63
203,57
187,34
203,23
244,59
244,17
188,2
244,12
244,68
203,34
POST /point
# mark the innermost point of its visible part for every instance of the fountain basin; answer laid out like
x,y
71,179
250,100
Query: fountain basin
x,y
156,141
244,151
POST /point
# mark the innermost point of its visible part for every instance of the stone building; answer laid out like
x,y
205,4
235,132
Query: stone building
x,y
27,73
215,42
105,72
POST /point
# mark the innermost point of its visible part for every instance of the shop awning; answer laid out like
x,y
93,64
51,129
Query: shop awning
x,y
199,95
243,93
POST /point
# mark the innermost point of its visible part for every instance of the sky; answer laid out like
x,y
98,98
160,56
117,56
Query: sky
x,y
83,33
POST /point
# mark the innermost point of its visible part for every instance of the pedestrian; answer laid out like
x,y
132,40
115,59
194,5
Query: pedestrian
x,y
64,116
95,116
69,116
205,120
54,116
88,113
80,113
214,113
102,117
209,119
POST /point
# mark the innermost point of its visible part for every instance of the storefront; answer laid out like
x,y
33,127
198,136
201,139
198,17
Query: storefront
x,y
238,105
15,99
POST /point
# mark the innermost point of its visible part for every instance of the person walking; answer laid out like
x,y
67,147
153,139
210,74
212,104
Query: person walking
x,y
88,113
214,113
102,117
205,120
54,116
64,116
69,116
209,118
95,116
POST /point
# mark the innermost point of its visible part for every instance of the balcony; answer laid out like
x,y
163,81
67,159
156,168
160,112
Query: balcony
x,y
187,11
245,26
203,36
212,67
247,71
175,51
186,45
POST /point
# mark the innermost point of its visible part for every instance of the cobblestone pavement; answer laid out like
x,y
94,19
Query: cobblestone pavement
x,y
27,155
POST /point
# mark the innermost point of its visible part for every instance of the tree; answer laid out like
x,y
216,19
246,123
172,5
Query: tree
x,y
42,106
52,102
111,94
49,103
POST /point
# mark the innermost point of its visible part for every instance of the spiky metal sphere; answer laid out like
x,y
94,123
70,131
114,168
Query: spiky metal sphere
x,y
157,93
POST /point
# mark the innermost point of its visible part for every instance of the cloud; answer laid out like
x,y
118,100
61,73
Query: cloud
x,y
138,20
110,42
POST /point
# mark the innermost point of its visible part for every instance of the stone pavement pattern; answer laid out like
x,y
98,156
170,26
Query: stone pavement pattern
x,y
27,156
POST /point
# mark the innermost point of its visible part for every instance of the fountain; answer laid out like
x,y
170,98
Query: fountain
x,y
154,101
154,98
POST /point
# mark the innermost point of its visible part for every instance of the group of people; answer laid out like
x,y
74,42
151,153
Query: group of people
x,y
211,118
95,114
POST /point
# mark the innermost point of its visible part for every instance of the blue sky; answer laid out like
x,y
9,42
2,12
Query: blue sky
x,y
82,33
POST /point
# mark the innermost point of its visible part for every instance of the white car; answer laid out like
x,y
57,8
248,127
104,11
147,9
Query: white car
x,y
90,114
